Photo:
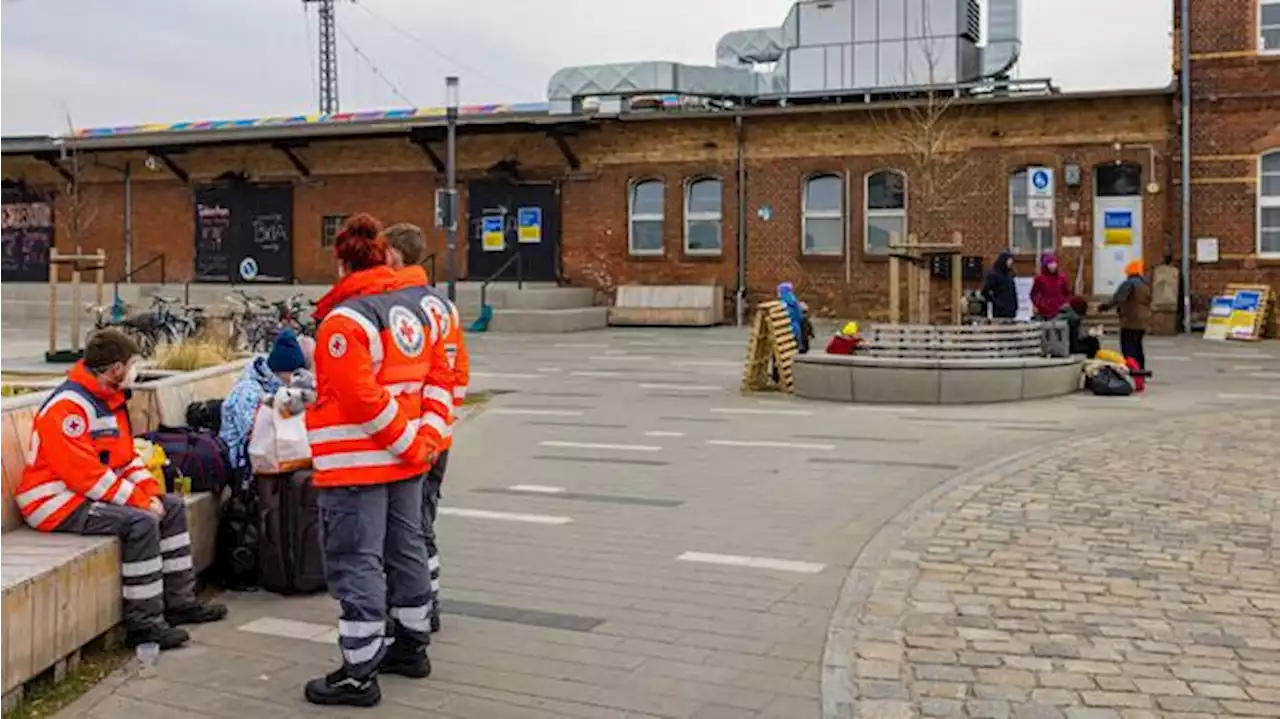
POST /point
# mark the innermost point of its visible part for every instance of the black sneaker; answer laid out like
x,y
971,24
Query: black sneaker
x,y
165,636
435,623
337,688
196,614
412,664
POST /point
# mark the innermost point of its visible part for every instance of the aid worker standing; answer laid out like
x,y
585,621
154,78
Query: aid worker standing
x,y
374,431
408,246
83,476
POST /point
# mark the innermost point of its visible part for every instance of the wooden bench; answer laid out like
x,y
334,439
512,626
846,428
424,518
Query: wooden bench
x,y
668,306
62,591
927,364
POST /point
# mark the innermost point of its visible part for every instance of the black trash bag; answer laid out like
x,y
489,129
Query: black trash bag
x,y
1111,382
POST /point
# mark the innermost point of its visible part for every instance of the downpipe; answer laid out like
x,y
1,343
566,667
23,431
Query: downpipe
x,y
1185,81
740,298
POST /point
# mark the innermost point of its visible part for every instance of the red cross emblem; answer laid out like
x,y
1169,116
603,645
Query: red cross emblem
x,y
407,331
73,426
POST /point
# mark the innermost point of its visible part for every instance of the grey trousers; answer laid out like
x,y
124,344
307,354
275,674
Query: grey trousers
x,y
155,568
431,505
375,557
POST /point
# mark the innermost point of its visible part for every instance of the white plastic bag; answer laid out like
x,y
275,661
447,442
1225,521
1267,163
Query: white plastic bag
x,y
278,444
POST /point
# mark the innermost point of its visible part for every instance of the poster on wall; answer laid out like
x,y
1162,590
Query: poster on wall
x,y
492,238
529,225
28,235
1023,285
1117,227
244,233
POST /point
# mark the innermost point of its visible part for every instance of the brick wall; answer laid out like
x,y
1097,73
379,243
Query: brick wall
x,y
1235,116
392,179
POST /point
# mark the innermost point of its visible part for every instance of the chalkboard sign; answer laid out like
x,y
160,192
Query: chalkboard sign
x,y
28,235
244,233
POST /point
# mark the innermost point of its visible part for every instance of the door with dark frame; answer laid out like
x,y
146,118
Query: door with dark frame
x,y
505,218
244,233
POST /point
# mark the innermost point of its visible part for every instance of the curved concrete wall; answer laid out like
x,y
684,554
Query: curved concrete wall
x,y
929,381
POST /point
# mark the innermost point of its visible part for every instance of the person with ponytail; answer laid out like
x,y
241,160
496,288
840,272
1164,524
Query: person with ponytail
x,y
374,432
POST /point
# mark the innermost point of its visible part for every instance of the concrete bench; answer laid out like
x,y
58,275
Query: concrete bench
x,y
61,591
895,380
668,305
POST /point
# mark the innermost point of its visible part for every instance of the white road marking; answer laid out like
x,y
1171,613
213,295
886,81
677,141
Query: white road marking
x,y
724,343
589,373
768,443
682,387
735,560
882,408
504,375
598,358
1232,355
1265,375
535,489
288,628
580,345
539,412
707,363
549,370
748,410
598,445
1168,358
1274,397
663,433
504,516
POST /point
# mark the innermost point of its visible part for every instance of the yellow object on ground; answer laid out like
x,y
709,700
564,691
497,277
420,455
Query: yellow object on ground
x,y
1110,356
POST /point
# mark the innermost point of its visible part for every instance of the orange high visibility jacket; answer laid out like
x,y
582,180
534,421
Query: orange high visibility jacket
x,y
383,404
81,449
445,314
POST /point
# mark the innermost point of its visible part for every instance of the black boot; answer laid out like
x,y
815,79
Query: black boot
x,y
406,658
339,688
165,636
196,614
435,622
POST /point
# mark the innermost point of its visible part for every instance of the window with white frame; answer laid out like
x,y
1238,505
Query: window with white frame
x,y
823,215
886,210
1269,26
1022,234
1269,204
703,216
644,207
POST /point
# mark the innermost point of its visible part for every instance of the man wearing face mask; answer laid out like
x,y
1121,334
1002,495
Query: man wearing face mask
x,y
83,477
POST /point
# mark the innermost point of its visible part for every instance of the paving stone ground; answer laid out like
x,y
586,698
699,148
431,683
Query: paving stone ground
x,y
629,536
1134,574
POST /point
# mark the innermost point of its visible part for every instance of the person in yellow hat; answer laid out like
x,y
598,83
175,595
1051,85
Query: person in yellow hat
x,y
846,342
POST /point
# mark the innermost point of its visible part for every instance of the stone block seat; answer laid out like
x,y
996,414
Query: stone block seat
x,y
940,365
62,591
668,306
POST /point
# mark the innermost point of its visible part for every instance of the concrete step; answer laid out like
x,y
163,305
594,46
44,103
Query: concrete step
x,y
575,319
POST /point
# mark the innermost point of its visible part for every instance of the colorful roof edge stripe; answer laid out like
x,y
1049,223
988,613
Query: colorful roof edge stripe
x,y
342,117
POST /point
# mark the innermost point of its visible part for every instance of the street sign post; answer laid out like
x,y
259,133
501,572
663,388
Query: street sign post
x,y
1040,202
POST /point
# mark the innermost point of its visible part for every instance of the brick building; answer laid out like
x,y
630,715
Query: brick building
x,y
1235,141
645,198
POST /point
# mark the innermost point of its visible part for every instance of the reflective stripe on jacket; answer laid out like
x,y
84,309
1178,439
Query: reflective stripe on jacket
x,y
378,417
446,316
81,448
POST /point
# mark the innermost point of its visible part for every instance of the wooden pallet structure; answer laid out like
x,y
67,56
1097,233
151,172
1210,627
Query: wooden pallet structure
x,y
772,344
1264,321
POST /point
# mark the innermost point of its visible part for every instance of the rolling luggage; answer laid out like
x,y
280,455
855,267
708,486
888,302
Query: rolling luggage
x,y
290,556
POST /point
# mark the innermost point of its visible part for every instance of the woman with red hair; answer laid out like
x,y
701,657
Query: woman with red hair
x,y
374,433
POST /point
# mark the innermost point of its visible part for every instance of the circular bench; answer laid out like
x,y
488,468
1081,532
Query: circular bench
x,y
942,365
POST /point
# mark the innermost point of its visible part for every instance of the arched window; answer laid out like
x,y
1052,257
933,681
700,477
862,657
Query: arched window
x,y
703,216
823,215
1022,233
886,210
1269,26
644,212
1269,204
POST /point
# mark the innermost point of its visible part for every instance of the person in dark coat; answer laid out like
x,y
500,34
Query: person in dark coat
x,y
1133,301
999,290
1082,342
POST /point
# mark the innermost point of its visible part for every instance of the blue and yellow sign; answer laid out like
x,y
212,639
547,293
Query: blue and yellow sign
x,y
492,238
1245,307
529,225
1117,227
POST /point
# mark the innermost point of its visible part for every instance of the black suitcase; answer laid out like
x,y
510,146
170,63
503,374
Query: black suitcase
x,y
290,556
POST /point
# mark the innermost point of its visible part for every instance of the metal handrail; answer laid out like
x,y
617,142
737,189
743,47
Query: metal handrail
x,y
115,292
517,258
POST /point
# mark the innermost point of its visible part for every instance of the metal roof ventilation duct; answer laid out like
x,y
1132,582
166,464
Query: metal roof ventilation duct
x,y
823,48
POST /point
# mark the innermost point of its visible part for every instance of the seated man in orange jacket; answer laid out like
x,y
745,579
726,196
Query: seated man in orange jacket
x,y
83,477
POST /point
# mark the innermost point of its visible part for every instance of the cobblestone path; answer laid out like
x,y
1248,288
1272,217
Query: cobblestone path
x,y
1133,576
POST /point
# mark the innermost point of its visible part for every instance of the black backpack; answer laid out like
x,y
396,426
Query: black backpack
x,y
236,560
205,415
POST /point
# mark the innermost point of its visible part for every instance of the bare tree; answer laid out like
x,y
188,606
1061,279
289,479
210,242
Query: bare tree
x,y
80,206
922,128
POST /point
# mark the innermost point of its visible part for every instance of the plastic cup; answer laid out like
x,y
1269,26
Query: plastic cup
x,y
148,654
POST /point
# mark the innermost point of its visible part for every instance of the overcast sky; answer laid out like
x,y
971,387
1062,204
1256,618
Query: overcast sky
x,y
137,61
